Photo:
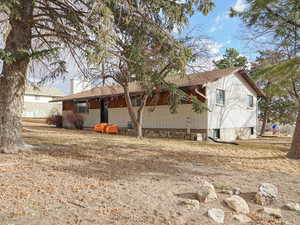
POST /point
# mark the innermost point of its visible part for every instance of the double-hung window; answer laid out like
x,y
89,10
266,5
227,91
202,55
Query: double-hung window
x,y
81,107
220,97
136,100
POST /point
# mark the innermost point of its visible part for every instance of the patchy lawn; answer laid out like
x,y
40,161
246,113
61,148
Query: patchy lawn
x,y
79,177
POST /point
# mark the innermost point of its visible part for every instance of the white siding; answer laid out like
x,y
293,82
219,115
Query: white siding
x,y
66,123
235,113
40,109
90,119
162,118
34,98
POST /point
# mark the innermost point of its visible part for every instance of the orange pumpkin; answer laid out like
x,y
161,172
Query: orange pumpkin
x,y
100,127
113,129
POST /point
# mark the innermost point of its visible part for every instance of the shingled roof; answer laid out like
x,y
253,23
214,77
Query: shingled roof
x,y
200,78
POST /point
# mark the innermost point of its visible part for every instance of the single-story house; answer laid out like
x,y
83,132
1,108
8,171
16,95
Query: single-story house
x,y
37,102
230,94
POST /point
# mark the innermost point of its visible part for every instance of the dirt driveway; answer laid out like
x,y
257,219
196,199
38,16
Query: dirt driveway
x,y
79,177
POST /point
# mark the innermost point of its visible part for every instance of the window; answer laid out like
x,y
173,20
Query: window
x,y
250,101
217,133
220,97
37,98
136,100
252,130
81,107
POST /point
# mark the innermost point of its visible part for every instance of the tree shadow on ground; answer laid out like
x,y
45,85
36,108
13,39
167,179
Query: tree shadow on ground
x,y
112,157
115,162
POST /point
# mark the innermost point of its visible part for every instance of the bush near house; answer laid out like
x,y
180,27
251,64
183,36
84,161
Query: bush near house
x,y
76,120
56,120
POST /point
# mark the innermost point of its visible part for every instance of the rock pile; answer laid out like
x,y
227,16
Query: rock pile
x,y
265,196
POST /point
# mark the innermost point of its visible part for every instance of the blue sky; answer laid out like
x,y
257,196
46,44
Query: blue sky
x,y
224,32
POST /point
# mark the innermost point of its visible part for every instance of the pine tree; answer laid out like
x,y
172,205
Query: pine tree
x,y
276,106
231,59
47,28
279,20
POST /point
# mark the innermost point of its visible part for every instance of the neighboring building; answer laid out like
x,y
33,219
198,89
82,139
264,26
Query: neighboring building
x,y
79,85
230,94
37,102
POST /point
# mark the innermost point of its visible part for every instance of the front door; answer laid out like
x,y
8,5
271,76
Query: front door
x,y
103,111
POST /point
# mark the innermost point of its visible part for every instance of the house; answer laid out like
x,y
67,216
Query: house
x,y
37,102
231,97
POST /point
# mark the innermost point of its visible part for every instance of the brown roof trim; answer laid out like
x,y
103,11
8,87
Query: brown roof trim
x,y
200,78
251,82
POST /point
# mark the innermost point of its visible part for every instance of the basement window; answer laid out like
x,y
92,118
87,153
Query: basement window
x,y
216,133
220,97
252,130
81,107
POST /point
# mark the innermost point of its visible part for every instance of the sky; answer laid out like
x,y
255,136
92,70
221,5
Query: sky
x,y
223,32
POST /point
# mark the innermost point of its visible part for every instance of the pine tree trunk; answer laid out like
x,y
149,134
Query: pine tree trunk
x,y
295,149
13,78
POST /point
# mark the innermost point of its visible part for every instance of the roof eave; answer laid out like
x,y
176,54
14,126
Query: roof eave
x,y
251,82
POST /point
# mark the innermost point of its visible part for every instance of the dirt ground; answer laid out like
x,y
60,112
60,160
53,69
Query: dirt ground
x,y
80,177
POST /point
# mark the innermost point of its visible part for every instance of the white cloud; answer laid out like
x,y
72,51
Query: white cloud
x,y
215,28
218,22
205,63
220,18
213,48
240,5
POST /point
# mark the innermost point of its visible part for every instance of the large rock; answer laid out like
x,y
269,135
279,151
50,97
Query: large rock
x,y
217,215
238,204
272,212
206,192
293,206
267,194
242,218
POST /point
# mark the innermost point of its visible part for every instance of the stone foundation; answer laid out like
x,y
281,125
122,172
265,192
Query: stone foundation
x,y
232,134
194,134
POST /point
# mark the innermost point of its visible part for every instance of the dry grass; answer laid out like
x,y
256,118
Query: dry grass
x,y
268,154
80,177
34,120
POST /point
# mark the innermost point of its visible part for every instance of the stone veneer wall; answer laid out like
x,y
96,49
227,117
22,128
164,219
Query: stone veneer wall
x,y
200,134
